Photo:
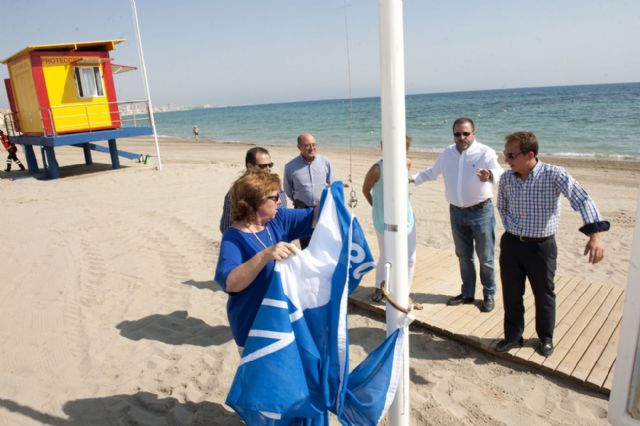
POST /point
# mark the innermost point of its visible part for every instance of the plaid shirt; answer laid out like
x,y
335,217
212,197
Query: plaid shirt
x,y
531,208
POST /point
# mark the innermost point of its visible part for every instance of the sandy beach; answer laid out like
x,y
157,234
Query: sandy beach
x,y
109,314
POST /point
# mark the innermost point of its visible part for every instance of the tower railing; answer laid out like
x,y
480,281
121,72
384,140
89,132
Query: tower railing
x,y
97,116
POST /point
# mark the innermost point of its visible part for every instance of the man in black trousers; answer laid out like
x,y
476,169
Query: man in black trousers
x,y
529,204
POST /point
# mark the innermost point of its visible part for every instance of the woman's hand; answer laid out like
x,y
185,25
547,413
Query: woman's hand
x,y
244,274
281,250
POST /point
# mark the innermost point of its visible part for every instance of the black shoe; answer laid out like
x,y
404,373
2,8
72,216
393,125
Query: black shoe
x,y
488,303
545,348
504,345
459,300
22,167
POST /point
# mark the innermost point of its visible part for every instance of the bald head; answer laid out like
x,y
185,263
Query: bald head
x,y
308,146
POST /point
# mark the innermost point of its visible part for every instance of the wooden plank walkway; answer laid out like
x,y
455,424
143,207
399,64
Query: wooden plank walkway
x,y
588,317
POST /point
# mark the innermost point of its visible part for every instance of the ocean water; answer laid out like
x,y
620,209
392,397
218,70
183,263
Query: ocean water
x,y
591,120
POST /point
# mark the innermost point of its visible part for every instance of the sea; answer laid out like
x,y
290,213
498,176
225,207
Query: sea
x,y
586,121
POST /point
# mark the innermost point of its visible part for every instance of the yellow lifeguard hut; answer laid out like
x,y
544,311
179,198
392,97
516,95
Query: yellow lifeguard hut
x,y
64,94
63,88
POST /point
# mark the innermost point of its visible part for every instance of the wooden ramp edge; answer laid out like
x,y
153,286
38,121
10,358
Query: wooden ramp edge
x,y
588,317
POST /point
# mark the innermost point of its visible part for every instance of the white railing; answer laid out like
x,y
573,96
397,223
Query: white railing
x,y
9,124
95,115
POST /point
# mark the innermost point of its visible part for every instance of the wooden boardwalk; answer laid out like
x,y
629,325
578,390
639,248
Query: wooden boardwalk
x,y
588,317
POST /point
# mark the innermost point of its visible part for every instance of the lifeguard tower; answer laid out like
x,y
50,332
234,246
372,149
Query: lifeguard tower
x,y
64,94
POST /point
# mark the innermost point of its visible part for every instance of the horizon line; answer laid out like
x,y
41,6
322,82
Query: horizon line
x,y
190,108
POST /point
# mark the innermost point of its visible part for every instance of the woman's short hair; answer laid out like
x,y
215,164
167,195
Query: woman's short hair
x,y
249,191
527,141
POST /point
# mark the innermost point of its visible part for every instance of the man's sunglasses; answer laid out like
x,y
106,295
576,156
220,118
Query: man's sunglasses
x,y
511,155
458,134
265,166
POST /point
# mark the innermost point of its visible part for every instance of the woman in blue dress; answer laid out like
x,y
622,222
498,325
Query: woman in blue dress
x,y
261,233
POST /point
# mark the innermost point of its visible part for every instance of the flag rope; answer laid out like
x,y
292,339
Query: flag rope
x,y
353,200
396,305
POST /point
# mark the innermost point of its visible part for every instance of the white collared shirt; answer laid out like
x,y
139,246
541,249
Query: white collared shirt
x,y
463,187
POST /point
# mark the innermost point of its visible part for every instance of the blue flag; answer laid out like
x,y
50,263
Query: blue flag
x,y
294,366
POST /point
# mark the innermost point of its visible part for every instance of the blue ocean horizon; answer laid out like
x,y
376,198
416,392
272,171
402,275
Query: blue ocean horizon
x,y
600,120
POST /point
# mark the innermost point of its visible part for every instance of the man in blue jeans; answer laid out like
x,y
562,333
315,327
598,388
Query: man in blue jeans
x,y
470,170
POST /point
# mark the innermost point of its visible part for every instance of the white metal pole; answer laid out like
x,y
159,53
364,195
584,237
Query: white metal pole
x,y
624,401
392,93
146,81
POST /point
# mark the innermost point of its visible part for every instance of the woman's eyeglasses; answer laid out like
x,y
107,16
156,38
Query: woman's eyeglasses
x,y
458,134
265,166
511,155
273,198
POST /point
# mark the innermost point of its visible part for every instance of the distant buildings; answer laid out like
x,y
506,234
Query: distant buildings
x,y
169,107
140,108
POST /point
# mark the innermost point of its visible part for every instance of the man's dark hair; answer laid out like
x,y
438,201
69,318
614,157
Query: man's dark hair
x,y
527,141
463,120
250,158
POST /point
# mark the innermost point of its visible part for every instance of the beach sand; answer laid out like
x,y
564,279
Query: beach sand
x,y
109,315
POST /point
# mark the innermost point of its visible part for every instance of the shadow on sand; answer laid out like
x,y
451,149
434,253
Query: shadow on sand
x,y
142,408
204,285
176,328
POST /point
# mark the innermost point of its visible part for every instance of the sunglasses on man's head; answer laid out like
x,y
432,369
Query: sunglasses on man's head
x,y
265,166
458,134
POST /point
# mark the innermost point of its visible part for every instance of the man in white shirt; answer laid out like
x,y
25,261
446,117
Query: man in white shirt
x,y
470,170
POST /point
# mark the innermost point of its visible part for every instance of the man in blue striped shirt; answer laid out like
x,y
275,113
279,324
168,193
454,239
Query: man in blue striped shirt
x,y
529,205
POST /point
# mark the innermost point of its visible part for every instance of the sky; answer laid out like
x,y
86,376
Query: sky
x,y
239,52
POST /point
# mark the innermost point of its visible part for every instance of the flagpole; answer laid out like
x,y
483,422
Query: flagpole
x,y
624,401
392,101
146,81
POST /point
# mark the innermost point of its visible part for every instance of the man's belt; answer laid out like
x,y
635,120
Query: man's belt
x,y
530,239
300,205
480,205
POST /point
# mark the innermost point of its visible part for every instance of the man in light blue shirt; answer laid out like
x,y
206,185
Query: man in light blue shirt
x,y
306,176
